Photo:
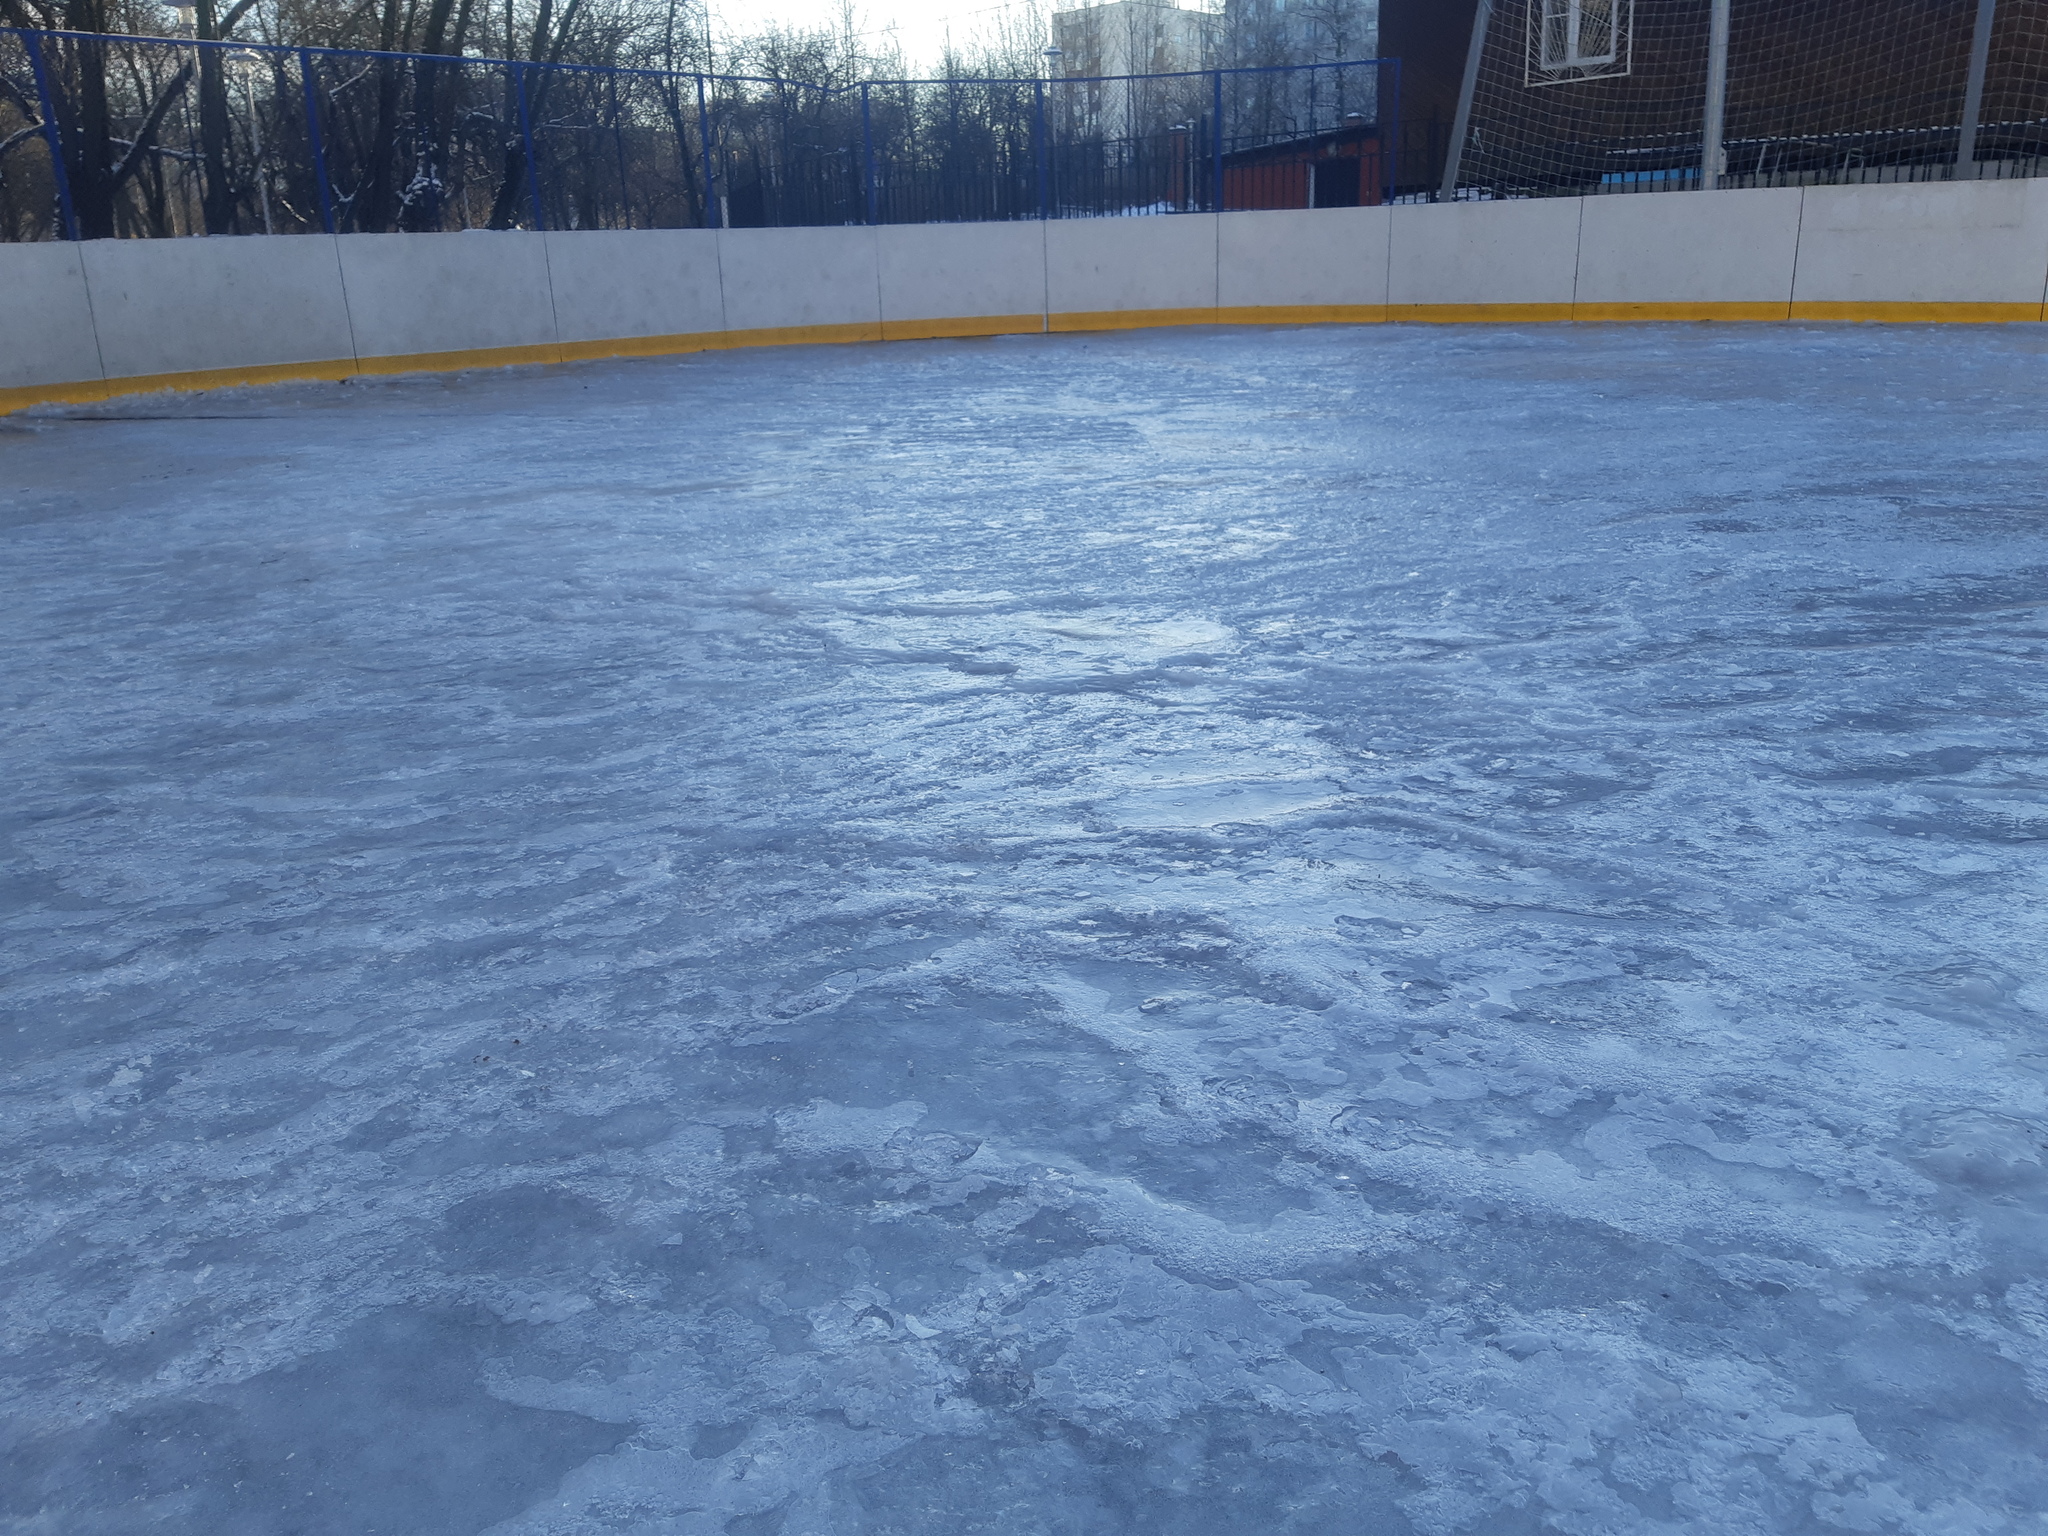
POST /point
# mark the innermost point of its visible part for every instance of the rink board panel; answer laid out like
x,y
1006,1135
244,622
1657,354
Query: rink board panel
x,y
82,322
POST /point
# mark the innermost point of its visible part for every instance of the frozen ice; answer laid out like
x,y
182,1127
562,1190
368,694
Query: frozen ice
x,y
1319,932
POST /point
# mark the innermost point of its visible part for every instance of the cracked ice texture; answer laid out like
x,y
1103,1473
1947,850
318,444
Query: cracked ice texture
x,y
1301,932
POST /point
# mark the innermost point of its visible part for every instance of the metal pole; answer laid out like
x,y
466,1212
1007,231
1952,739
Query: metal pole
x,y
526,139
50,132
1973,95
1454,157
619,142
1216,140
313,141
256,141
1038,145
1390,137
711,218
1717,97
867,141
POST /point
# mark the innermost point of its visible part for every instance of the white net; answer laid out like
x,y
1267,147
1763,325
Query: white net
x,y
1579,96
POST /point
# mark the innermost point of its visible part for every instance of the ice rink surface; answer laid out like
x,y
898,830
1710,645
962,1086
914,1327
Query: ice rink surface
x,y
1316,933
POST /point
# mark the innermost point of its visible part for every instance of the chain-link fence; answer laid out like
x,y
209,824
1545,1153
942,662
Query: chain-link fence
x,y
1567,97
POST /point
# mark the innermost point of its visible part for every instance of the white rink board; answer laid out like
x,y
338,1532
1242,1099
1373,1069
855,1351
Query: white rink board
x,y
189,313
1978,242
1303,258
170,306
961,271
1737,247
790,279
411,294
1099,266
1485,253
46,317
611,284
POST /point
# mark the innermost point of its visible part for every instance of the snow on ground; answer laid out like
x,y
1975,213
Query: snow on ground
x,y
1210,932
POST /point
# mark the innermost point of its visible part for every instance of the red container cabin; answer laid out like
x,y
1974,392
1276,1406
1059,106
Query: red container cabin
x,y
1343,168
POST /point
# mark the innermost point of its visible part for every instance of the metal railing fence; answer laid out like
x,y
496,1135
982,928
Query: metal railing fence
x,y
106,136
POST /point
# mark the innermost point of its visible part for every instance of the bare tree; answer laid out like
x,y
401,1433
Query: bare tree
x,y
97,164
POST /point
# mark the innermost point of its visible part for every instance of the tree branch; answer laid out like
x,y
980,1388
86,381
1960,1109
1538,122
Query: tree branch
x,y
33,131
235,13
23,13
150,124
19,95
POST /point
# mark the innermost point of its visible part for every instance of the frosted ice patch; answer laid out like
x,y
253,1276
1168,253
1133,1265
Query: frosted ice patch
x,y
861,586
1188,635
153,1301
1130,636
129,1075
1294,1066
538,1306
1220,803
966,598
825,1127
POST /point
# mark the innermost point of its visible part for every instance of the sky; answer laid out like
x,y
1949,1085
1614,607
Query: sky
x,y
922,26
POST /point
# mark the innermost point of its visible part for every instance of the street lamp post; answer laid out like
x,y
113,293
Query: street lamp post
x,y
1042,130
248,64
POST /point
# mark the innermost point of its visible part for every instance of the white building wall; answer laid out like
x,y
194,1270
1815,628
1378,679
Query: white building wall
x,y
1131,37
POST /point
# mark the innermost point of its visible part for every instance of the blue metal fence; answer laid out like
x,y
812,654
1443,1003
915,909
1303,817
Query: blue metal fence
x,y
151,137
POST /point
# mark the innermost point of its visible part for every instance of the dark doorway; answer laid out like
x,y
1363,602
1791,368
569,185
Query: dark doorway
x,y
1336,182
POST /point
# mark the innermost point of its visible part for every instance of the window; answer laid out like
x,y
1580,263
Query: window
x,y
1578,39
